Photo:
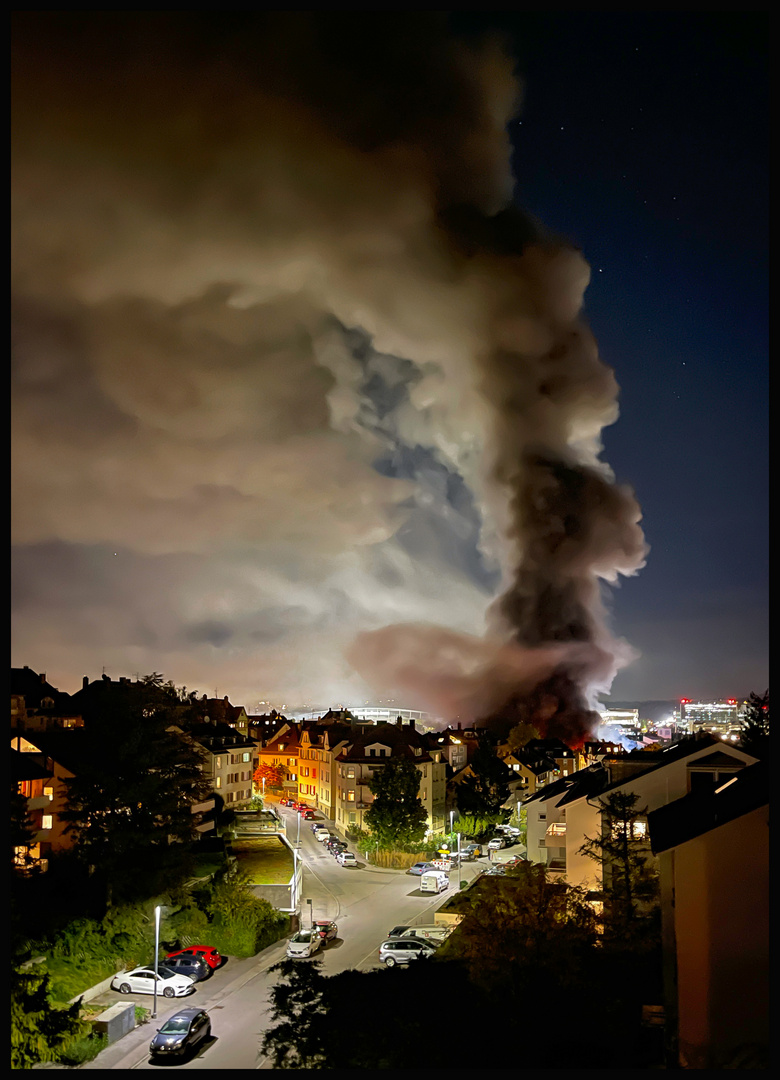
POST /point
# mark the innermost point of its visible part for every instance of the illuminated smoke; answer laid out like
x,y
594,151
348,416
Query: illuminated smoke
x,y
228,232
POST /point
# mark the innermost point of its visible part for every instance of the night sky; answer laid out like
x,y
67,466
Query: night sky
x,y
282,316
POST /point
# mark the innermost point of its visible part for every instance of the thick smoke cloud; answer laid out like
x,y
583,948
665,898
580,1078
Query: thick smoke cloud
x,y
281,344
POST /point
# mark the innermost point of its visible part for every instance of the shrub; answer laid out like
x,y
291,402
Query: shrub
x,y
83,1049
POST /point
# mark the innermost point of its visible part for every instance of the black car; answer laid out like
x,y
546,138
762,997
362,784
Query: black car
x,y
397,931
335,846
181,1032
188,965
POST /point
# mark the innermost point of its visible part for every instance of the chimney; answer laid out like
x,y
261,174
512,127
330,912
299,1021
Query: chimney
x,y
399,721
43,677
85,682
106,678
411,724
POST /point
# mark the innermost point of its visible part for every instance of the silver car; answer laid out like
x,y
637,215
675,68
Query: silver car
x,y
403,950
304,943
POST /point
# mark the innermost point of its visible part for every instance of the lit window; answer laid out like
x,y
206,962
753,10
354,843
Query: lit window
x,y
49,793
46,821
350,796
218,782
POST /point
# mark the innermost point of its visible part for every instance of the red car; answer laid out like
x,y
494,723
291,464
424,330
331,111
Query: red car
x,y
204,952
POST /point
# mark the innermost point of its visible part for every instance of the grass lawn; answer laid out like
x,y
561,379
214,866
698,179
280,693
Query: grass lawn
x,y
265,859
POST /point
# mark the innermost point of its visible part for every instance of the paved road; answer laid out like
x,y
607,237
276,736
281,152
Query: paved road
x,y
365,902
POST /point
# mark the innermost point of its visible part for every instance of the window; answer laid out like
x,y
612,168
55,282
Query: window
x,y
350,796
218,763
543,817
350,772
218,782
246,757
352,817
46,821
49,793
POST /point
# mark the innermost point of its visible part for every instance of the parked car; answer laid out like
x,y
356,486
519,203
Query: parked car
x,y
508,830
397,931
335,847
403,950
499,870
142,980
181,1032
308,815
318,825
327,929
496,843
286,802
420,868
323,835
471,851
304,943
346,858
193,966
204,952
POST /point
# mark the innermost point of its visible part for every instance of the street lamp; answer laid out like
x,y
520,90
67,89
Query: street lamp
x,y
298,841
311,913
157,911
452,819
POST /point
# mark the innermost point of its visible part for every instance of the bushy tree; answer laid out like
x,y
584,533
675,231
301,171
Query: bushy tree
x,y
755,732
487,789
129,805
629,875
396,817
39,1031
272,774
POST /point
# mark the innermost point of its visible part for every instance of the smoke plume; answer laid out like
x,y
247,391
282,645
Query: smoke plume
x,y
284,347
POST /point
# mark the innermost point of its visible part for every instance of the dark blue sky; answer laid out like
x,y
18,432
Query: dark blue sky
x,y
643,140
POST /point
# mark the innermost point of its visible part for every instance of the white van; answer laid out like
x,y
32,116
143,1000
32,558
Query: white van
x,y
434,881
436,934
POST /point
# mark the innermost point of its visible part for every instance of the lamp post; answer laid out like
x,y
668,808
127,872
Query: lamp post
x,y
157,911
452,820
298,841
311,913
459,875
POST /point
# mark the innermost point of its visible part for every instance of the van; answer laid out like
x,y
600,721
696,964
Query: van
x,y
435,934
435,881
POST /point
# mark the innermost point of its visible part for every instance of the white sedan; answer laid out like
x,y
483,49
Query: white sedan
x,y
304,943
142,981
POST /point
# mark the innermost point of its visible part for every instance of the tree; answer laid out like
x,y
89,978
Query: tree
x,y
755,732
272,774
487,789
629,879
130,806
396,817
39,1030
521,734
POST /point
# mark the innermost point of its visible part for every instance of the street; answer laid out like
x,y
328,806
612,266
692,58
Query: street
x,y
365,902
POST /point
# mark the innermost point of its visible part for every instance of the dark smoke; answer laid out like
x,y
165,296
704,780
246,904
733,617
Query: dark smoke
x,y
202,204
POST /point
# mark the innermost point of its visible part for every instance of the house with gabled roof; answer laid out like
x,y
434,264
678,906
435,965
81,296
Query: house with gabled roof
x,y
367,751
37,705
229,760
712,850
562,815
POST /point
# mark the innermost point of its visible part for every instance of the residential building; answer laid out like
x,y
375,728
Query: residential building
x,y
560,816
712,847
320,744
36,705
229,761
368,749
